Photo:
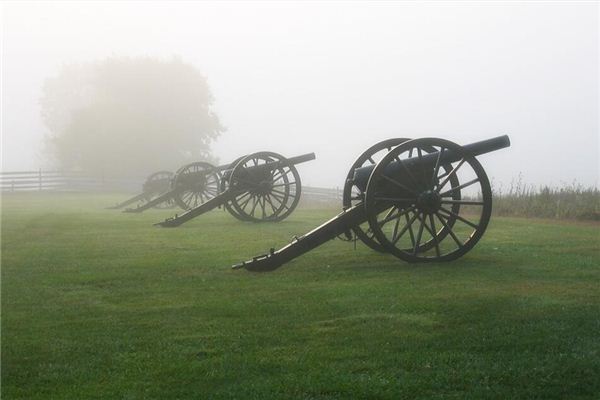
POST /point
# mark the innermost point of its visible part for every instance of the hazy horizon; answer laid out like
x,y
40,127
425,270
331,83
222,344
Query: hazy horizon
x,y
334,77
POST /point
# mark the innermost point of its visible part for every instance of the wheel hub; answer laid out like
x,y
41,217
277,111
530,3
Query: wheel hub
x,y
199,182
263,187
429,202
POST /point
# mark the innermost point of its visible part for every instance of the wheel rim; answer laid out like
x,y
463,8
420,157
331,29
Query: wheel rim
x,y
225,184
427,214
353,195
157,184
195,184
269,194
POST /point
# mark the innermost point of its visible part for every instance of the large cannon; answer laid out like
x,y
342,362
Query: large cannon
x,y
190,186
421,200
154,186
259,187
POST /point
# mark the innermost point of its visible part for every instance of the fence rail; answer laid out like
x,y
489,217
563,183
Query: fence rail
x,y
40,180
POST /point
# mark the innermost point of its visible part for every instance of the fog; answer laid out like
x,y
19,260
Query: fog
x,y
334,77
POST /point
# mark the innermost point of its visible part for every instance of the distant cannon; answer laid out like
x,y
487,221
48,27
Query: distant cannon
x,y
155,185
192,185
259,187
422,200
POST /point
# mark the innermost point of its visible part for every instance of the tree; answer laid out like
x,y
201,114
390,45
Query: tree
x,y
128,116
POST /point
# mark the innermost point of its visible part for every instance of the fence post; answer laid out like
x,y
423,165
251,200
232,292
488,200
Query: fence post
x,y
40,180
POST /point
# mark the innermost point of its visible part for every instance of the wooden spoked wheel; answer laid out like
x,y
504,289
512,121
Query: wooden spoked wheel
x,y
353,195
194,184
423,208
268,192
157,184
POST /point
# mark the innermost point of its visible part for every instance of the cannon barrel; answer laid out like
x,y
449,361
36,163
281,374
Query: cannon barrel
x,y
274,165
299,159
361,175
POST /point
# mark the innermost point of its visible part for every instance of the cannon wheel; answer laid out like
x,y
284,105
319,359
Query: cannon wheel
x,y
157,184
273,194
353,195
429,220
195,184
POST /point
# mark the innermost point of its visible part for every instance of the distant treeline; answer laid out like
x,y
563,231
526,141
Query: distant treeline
x,y
572,201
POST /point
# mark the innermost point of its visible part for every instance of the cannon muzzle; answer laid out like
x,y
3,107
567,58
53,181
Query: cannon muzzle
x,y
361,175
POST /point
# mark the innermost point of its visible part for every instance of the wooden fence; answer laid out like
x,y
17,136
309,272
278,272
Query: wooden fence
x,y
40,180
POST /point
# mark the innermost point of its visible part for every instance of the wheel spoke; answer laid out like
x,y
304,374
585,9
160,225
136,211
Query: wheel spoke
x,y
268,198
276,198
240,197
390,217
454,189
419,234
280,197
243,206
281,172
406,227
427,228
262,206
278,191
435,238
437,166
464,202
395,231
254,204
410,230
424,170
452,173
284,184
450,231
390,212
458,217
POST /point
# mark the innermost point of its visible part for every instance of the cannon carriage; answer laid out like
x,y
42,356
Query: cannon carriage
x,y
155,185
259,187
422,200
190,186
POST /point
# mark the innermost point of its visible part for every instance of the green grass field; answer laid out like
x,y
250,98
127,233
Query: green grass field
x,y
97,304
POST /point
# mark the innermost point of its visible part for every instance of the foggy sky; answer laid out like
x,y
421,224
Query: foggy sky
x,y
335,78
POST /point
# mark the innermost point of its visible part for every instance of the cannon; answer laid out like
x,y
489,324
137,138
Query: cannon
x,y
259,187
422,200
155,185
190,186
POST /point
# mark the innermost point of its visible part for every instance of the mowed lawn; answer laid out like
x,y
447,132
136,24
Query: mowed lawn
x,y
97,304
